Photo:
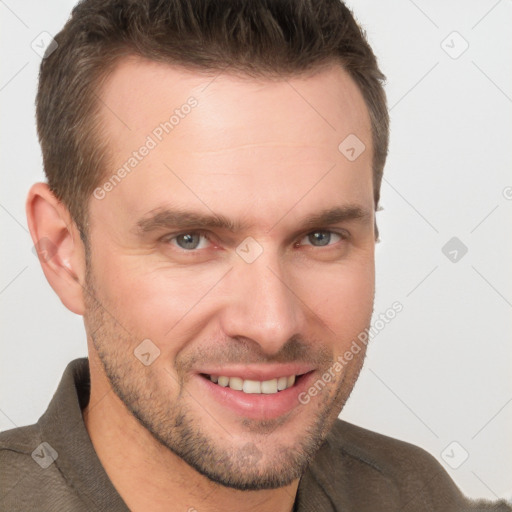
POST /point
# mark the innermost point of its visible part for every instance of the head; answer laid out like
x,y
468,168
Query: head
x,y
212,222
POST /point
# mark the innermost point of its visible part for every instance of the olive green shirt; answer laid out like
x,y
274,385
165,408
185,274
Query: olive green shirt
x,y
52,466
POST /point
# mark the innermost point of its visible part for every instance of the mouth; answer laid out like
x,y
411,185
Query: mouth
x,y
259,395
250,386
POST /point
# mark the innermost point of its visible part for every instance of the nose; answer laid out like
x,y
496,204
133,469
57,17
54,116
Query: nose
x,y
263,304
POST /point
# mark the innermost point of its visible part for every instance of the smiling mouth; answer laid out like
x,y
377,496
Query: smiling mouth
x,y
264,387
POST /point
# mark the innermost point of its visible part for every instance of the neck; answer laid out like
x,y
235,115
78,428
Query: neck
x,y
149,476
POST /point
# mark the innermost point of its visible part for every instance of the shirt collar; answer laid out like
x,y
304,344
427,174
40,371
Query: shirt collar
x,y
63,427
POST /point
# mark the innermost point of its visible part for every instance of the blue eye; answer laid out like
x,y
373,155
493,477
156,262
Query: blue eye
x,y
188,241
322,238
195,240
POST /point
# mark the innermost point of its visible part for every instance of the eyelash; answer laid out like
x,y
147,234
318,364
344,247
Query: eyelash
x,y
168,238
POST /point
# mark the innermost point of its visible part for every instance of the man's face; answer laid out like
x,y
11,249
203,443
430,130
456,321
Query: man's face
x,y
272,295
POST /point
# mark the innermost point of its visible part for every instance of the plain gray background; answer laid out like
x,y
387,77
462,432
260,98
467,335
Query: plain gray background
x,y
438,375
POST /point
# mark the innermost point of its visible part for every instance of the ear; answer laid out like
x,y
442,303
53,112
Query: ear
x,y
58,244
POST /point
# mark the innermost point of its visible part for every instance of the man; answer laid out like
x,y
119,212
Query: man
x,y
213,174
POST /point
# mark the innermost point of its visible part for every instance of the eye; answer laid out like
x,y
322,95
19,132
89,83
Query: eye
x,y
322,238
195,240
189,241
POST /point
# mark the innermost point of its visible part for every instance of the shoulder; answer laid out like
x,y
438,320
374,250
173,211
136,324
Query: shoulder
x,y
385,454
16,448
17,465
382,473
29,477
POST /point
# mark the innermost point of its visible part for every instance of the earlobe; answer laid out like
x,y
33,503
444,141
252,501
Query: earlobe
x,y
58,245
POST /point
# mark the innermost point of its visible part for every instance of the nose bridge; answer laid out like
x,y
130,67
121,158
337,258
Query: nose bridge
x,y
263,305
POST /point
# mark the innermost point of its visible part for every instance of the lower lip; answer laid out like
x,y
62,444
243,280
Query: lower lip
x,y
258,406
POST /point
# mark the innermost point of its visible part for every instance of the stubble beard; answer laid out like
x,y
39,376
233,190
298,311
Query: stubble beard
x,y
250,465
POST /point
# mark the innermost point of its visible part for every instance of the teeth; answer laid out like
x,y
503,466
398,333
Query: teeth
x,y
254,386
236,383
269,386
282,383
223,381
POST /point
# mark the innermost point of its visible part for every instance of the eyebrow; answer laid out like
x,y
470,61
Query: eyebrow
x,y
165,218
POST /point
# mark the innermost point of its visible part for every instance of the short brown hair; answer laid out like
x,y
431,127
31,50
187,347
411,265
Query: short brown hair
x,y
256,37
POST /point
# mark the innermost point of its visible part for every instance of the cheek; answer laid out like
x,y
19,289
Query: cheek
x,y
343,298
155,303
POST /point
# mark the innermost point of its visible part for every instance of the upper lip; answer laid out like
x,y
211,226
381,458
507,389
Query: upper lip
x,y
258,372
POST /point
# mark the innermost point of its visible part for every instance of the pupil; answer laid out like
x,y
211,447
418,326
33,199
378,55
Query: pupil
x,y
323,237
188,241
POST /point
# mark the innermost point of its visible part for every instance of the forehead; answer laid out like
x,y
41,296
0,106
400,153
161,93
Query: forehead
x,y
139,91
224,139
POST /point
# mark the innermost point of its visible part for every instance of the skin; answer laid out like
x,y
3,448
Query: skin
x,y
257,153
